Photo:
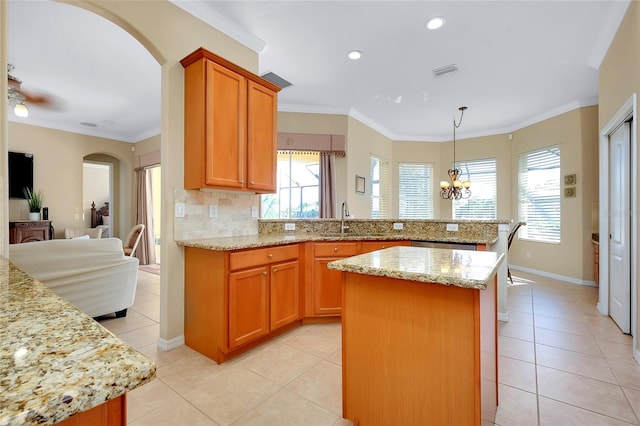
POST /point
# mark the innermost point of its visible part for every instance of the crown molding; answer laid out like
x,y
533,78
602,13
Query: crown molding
x,y
355,114
200,10
617,10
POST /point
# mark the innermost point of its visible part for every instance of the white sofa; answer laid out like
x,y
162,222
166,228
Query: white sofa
x,y
92,274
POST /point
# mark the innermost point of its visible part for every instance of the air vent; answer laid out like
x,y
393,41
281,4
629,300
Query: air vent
x,y
445,70
276,79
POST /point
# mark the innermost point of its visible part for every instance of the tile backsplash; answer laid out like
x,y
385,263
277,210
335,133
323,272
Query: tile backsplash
x,y
233,214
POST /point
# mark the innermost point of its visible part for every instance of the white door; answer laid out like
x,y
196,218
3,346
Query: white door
x,y
619,228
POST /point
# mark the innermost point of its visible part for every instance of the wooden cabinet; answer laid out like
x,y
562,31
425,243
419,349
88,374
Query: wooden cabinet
x,y
29,230
596,262
248,306
234,300
284,294
369,246
327,283
230,126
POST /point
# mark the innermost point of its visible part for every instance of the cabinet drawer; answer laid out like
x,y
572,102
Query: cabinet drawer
x,y
335,249
265,256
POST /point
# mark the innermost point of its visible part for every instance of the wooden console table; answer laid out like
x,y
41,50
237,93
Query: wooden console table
x,y
26,231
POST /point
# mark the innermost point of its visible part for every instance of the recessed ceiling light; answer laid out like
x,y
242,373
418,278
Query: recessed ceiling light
x,y
435,23
355,55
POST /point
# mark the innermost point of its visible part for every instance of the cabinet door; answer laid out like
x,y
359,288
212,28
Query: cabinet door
x,y
284,294
327,288
225,147
248,306
262,138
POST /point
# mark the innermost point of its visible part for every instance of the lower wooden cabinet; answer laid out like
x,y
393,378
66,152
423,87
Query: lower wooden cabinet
x,y
327,283
235,299
248,306
284,291
27,231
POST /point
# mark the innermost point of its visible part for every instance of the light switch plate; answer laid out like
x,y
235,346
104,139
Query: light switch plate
x,y
213,211
289,226
453,227
180,209
254,211
398,226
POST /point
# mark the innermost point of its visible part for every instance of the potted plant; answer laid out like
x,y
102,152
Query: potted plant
x,y
34,199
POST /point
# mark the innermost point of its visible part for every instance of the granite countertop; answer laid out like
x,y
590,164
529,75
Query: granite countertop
x,y
461,268
55,361
253,241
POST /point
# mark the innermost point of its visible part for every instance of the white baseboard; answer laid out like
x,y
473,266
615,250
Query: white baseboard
x,y
166,345
503,316
558,277
636,355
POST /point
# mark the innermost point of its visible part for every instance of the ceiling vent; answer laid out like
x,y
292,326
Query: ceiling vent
x,y
445,70
276,79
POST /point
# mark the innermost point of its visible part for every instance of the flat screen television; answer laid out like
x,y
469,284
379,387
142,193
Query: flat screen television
x,y
20,174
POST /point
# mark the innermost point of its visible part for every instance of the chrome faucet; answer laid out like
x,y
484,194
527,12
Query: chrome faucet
x,y
344,213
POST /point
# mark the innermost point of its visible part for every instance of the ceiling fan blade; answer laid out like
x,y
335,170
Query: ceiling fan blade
x,y
43,100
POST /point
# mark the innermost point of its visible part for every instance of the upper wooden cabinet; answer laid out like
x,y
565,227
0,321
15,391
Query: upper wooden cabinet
x,y
230,126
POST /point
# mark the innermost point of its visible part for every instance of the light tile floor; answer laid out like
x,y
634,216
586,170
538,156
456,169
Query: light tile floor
x,y
560,363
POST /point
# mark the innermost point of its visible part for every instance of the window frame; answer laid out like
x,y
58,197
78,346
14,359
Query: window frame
x,y
427,195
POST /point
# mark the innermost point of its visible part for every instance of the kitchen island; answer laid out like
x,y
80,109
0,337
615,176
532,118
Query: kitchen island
x,y
57,365
419,342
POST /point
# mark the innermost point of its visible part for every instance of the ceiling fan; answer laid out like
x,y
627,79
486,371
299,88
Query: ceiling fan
x,y
19,99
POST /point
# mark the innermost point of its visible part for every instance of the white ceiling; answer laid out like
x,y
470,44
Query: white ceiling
x,y
519,62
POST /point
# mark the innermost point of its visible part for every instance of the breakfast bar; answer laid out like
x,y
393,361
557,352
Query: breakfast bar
x,y
419,342
58,365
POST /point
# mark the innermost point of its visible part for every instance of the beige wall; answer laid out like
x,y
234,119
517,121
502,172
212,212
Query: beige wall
x,y
619,80
575,133
58,170
362,143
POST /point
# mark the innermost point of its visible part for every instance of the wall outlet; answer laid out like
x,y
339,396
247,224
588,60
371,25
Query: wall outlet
x,y
398,226
289,226
528,255
180,208
453,227
213,210
254,212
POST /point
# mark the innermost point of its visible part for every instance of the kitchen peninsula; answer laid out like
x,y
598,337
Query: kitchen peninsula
x,y
57,365
241,291
419,336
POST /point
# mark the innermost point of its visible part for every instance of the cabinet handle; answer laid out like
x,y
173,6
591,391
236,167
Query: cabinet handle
x,y
270,255
252,183
335,249
275,270
264,273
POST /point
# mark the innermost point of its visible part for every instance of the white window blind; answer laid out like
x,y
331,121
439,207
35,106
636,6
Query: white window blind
x,y
539,194
482,203
415,191
379,175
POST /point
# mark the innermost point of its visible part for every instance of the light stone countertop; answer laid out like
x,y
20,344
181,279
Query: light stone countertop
x,y
255,241
55,361
461,268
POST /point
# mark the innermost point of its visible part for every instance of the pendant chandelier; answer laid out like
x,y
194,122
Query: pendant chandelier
x,y
455,189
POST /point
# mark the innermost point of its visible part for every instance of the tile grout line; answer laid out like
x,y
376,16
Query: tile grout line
x,y
535,352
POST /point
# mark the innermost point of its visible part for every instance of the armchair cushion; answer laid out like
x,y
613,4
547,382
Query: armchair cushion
x,y
92,274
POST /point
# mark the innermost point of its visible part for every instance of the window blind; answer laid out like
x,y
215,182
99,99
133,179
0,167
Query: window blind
x,y
482,203
539,194
379,175
415,191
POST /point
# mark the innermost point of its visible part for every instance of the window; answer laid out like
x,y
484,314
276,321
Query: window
x,y
415,191
298,183
539,194
379,174
482,203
